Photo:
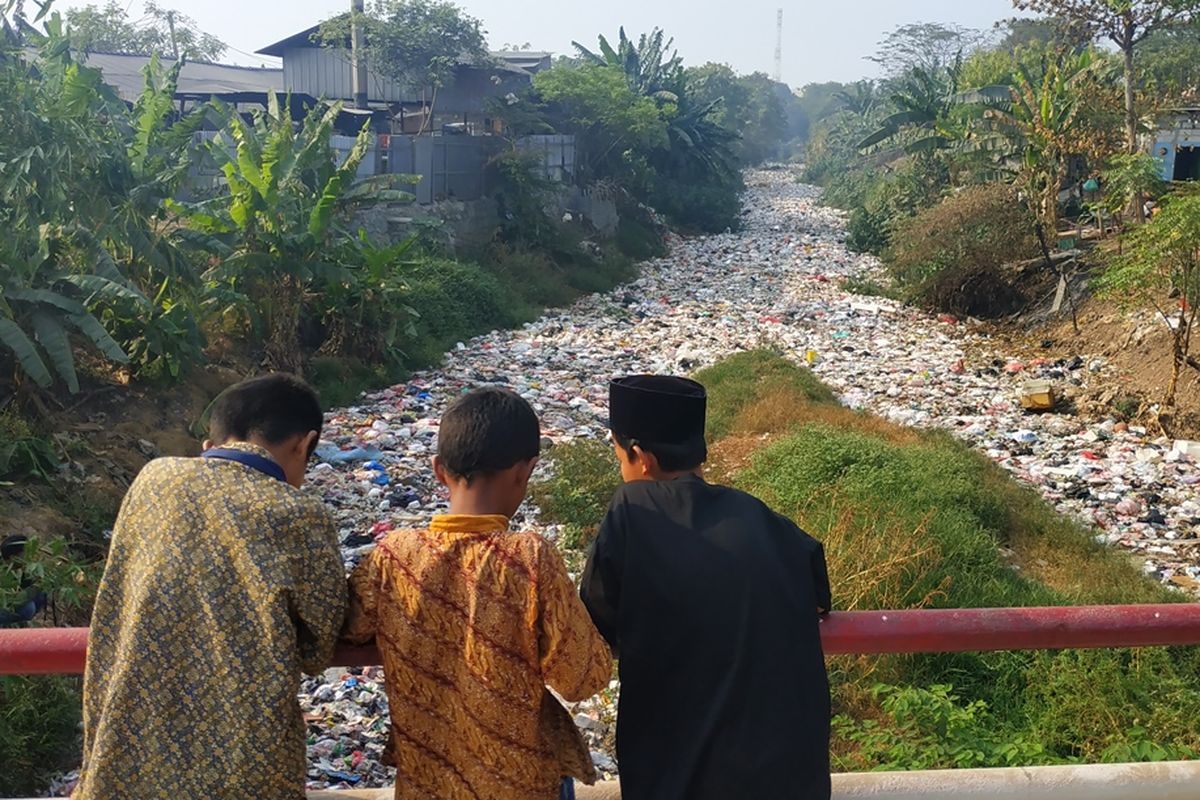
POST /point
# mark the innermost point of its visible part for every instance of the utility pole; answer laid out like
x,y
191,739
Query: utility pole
x,y
174,41
779,48
358,55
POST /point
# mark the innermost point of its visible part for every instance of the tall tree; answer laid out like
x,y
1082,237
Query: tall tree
x,y
1126,23
750,105
1168,64
820,101
653,69
163,31
928,46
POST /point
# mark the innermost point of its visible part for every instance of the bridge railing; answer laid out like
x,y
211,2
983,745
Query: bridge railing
x,y
42,651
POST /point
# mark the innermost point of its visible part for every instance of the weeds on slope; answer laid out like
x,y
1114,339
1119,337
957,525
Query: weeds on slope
x,y
914,519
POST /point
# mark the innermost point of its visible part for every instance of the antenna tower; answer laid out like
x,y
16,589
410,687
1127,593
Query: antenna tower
x,y
779,48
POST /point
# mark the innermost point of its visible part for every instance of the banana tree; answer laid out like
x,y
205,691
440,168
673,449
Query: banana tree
x,y
1032,127
647,67
925,119
61,159
274,233
700,151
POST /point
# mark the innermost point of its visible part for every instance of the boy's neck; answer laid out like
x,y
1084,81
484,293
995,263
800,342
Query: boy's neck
x,y
476,502
698,472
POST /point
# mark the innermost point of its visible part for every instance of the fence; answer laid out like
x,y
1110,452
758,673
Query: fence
x,y
557,155
40,651
450,167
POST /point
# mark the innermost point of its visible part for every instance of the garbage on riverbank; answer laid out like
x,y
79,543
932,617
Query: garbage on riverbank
x,y
775,284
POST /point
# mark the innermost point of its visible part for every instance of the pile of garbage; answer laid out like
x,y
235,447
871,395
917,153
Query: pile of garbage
x,y
776,283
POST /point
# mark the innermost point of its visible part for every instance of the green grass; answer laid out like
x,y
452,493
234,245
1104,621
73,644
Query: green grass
x,y
741,380
585,478
38,731
868,287
340,381
915,519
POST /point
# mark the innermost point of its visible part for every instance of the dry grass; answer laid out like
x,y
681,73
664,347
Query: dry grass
x,y
781,408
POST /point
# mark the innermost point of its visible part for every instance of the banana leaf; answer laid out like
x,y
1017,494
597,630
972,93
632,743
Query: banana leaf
x,y
54,340
26,352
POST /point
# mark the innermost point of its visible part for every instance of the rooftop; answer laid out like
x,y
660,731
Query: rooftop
x,y
197,80
510,61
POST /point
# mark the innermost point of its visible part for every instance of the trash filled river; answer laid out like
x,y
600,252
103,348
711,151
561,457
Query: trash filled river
x,y
775,283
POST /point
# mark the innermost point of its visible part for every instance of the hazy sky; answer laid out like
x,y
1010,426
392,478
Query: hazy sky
x,y
823,39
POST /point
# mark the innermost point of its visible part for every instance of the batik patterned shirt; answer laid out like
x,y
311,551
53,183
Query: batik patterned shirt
x,y
222,585
473,623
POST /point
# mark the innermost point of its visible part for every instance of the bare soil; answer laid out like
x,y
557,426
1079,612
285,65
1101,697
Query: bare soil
x,y
1136,346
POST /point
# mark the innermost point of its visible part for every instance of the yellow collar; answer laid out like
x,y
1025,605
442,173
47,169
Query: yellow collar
x,y
469,523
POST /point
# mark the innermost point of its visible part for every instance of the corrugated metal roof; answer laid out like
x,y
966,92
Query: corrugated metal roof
x,y
301,39
196,79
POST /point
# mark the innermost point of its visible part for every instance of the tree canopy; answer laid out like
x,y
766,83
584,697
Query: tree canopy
x,y
162,31
418,44
1126,23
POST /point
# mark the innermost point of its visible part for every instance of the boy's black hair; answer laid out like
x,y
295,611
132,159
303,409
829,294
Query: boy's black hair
x,y
274,407
671,457
488,431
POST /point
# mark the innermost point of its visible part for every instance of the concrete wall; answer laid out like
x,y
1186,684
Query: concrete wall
x,y
1167,781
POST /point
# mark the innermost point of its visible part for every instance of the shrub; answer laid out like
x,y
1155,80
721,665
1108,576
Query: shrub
x,y
848,188
867,231
932,728
585,478
636,238
710,207
948,256
39,726
457,301
23,453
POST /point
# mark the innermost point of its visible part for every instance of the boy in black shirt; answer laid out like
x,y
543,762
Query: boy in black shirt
x,y
711,602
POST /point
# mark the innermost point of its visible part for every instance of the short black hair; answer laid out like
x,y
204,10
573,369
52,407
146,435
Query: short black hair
x,y
275,407
488,431
671,457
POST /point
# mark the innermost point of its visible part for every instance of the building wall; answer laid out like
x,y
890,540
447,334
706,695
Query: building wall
x,y
1175,133
325,73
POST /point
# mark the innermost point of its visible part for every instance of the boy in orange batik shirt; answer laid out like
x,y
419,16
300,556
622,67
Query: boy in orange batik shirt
x,y
474,622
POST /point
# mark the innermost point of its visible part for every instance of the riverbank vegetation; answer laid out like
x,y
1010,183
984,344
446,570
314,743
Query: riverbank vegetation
x,y
914,519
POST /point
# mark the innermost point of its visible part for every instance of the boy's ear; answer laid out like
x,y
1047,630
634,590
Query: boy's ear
x,y
308,444
207,444
525,473
439,471
648,461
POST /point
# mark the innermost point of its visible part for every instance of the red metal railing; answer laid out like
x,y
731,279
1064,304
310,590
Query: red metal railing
x,y
62,650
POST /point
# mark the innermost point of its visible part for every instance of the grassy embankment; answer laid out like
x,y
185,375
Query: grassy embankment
x,y
914,519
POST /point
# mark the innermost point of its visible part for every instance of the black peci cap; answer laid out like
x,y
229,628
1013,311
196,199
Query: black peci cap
x,y
657,408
